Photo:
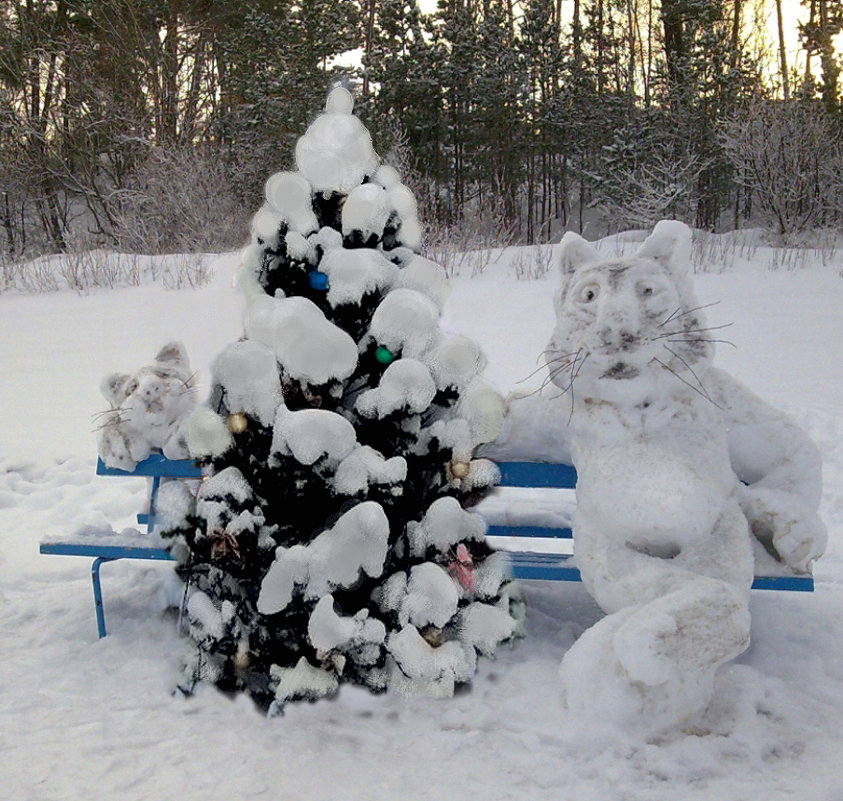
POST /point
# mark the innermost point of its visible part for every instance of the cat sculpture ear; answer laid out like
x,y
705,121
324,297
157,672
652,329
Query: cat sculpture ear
x,y
173,352
670,245
574,252
113,388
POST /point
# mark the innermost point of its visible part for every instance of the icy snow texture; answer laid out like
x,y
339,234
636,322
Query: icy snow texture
x,y
421,668
148,410
365,210
248,372
406,321
173,504
309,347
266,227
335,153
454,434
365,466
484,409
357,542
488,575
484,626
310,434
455,361
403,203
204,614
386,176
432,596
328,630
405,385
355,273
326,238
299,247
444,525
424,276
289,194
207,434
302,681
214,505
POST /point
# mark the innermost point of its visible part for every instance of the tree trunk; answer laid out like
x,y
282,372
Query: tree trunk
x,y
782,52
736,30
674,41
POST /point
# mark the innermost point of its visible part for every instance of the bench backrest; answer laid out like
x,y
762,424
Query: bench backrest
x,y
537,474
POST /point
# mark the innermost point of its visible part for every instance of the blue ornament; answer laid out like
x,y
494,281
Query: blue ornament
x,y
317,280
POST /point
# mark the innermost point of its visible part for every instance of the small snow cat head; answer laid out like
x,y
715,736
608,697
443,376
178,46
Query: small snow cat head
x,y
146,409
628,328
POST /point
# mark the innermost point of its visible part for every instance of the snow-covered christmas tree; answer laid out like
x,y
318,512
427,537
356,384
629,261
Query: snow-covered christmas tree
x,y
329,541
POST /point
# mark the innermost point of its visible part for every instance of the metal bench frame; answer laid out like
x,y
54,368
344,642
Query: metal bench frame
x,y
156,467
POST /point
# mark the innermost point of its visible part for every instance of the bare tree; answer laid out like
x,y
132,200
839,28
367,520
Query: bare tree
x,y
789,154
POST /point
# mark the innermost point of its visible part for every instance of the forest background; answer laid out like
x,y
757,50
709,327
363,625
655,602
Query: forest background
x,y
150,126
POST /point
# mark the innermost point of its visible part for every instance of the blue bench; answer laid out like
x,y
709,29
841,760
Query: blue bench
x,y
526,564
156,467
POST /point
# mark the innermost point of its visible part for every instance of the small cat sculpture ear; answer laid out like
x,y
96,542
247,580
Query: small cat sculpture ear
x,y
575,252
113,388
670,245
174,353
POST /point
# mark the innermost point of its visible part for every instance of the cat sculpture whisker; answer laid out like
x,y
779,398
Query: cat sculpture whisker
x,y
541,368
704,339
675,315
700,330
702,390
683,380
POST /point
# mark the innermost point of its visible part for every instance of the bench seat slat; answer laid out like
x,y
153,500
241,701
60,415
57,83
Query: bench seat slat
x,y
557,567
541,532
105,551
542,566
537,474
155,466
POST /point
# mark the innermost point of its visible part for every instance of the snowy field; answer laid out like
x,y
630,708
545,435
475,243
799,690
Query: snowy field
x,y
82,718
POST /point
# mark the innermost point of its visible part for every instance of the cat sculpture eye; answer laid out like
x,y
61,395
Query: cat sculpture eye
x,y
588,293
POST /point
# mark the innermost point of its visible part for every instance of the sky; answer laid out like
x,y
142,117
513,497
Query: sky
x,y
791,12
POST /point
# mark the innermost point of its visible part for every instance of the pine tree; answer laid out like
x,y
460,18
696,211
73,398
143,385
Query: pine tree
x,y
329,541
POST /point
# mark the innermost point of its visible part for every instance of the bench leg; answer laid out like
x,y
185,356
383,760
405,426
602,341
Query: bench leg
x,y
98,608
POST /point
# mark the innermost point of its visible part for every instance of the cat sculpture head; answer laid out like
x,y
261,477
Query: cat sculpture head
x,y
629,329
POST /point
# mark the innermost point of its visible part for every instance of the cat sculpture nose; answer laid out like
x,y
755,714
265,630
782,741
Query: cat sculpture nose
x,y
622,339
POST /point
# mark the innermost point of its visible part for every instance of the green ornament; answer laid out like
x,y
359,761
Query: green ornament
x,y
383,355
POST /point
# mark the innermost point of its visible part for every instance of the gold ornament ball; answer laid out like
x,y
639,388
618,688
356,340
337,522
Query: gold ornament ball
x,y
237,423
241,659
432,636
459,469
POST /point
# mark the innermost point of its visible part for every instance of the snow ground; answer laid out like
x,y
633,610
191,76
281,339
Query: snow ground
x,y
82,717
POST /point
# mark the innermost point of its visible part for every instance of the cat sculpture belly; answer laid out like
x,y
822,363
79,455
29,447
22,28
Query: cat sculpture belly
x,y
662,442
